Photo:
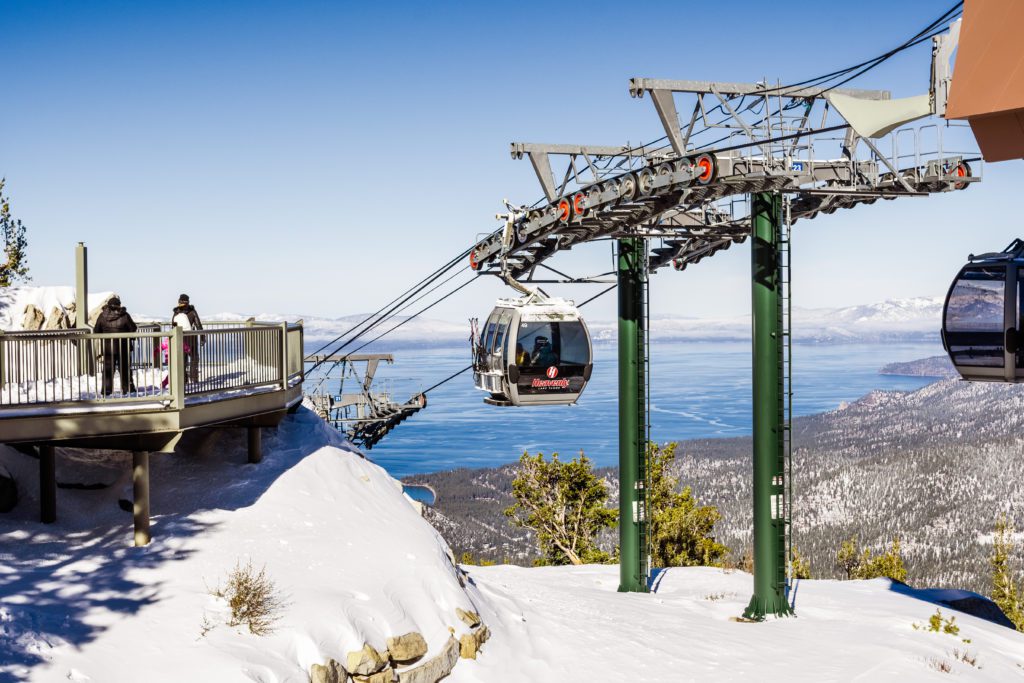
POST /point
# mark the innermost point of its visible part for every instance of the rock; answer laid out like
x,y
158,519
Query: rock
x,y
331,672
33,319
467,646
435,668
481,635
57,320
470,619
385,675
407,648
366,661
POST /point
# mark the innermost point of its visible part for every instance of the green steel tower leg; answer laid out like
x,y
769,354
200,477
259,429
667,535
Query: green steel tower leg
x,y
632,418
769,465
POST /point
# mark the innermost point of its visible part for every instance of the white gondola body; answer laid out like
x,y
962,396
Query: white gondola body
x,y
533,351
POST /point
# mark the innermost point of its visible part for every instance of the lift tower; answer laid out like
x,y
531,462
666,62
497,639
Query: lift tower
x,y
718,177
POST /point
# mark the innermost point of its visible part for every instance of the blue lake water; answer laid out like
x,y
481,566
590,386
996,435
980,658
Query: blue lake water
x,y
698,390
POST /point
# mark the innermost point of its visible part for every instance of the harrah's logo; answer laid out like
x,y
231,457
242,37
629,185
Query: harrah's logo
x,y
551,382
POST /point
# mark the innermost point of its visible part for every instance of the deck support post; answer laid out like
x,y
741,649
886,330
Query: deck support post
x,y
633,561
769,464
47,484
255,445
140,491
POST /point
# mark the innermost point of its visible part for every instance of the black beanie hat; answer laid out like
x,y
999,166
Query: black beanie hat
x,y
183,298
114,302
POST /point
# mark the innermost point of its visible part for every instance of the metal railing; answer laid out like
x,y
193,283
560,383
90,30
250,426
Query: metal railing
x,y
158,363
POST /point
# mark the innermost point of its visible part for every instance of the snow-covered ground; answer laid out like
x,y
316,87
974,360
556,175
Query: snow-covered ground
x,y
570,624
352,557
356,563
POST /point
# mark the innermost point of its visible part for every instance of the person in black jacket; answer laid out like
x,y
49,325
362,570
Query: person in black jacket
x,y
192,357
116,352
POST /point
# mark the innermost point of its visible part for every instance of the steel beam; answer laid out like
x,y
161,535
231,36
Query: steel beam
x,y
638,86
769,465
633,571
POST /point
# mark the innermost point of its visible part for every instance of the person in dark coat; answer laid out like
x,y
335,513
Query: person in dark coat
x,y
192,357
114,318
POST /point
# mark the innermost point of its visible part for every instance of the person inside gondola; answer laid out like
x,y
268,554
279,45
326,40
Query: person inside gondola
x,y
543,354
522,358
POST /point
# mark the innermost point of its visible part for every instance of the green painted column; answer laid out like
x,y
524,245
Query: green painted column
x,y
769,465
632,406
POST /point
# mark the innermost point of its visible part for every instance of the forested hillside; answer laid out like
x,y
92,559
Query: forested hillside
x,y
933,467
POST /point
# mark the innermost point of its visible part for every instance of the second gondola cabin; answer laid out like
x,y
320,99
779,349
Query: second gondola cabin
x,y
532,351
982,315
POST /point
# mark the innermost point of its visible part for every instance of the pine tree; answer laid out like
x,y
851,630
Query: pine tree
x,y
801,566
860,564
15,265
681,528
848,556
1005,591
563,504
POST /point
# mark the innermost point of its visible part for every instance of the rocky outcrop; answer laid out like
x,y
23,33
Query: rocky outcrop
x,y
57,320
370,665
408,648
385,675
366,661
33,319
470,643
435,668
331,672
470,619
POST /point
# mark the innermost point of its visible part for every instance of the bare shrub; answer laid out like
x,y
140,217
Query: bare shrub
x,y
253,597
941,665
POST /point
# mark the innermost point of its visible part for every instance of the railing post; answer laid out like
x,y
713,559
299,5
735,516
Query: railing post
x,y
3,360
177,369
284,355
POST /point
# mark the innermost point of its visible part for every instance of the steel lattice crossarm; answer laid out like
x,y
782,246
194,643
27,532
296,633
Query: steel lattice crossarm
x,y
688,194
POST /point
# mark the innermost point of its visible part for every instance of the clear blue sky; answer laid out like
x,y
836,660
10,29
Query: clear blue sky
x,y
319,157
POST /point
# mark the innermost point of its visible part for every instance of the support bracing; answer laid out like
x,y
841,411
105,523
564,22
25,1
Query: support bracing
x,y
255,445
140,494
769,462
47,484
633,542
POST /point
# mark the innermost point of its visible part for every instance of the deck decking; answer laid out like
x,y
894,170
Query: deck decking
x,y
52,392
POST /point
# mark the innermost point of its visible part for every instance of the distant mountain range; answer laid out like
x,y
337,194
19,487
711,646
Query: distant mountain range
x,y
916,319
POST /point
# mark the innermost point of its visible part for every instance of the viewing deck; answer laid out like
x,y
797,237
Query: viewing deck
x,y
52,393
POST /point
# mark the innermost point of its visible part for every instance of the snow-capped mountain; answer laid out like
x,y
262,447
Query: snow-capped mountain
x,y
913,319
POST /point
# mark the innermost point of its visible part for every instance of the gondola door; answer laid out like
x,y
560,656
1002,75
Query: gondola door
x,y
981,321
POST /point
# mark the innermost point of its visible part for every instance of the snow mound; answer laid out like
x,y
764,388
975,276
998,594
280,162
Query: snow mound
x,y
351,556
14,300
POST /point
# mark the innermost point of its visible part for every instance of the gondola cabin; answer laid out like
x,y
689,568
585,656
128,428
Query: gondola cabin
x,y
532,351
982,314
